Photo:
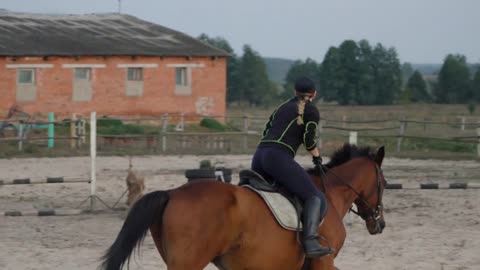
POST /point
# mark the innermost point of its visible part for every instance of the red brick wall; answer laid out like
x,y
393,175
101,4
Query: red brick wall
x,y
55,86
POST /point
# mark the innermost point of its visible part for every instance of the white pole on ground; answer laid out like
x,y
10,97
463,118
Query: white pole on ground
x,y
93,155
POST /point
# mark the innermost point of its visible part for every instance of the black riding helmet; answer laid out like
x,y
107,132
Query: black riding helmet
x,y
304,85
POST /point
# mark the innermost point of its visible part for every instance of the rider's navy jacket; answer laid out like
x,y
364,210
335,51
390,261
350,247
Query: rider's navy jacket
x,y
282,128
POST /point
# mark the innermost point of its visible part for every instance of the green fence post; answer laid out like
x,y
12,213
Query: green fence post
x,y
51,129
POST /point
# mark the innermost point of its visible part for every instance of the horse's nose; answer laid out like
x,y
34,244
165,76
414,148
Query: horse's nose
x,y
382,224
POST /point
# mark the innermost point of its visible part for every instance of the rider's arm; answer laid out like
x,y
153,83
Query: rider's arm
x,y
268,125
311,119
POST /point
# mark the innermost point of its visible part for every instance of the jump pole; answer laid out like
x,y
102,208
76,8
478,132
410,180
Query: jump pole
x,y
93,155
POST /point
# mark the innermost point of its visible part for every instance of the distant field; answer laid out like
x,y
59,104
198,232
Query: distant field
x,y
437,111
421,112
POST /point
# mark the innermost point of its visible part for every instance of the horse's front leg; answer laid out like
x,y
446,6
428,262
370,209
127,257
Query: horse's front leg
x,y
324,263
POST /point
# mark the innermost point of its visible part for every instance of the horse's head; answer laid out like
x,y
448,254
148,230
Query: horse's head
x,y
369,203
358,169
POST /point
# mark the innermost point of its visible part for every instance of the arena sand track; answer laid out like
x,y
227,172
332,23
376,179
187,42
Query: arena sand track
x,y
426,229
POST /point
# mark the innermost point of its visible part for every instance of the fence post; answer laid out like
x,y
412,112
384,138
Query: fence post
x,y
73,131
80,129
344,121
164,132
353,137
478,146
51,130
401,133
181,125
93,156
245,130
20,136
83,128
462,126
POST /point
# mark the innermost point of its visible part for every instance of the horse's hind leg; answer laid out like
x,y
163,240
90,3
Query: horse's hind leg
x,y
194,234
156,232
175,262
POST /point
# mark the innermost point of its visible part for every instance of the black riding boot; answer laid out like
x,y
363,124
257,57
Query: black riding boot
x,y
311,221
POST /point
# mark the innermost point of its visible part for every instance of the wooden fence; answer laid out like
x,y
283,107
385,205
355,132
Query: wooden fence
x,y
172,137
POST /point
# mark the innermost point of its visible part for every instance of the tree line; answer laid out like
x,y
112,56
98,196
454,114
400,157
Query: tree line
x,y
352,73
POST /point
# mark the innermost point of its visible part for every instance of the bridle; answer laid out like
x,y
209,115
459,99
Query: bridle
x,y
371,213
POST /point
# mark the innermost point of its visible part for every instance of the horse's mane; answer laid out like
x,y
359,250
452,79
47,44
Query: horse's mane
x,y
345,154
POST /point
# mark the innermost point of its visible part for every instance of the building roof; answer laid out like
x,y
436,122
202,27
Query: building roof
x,y
110,34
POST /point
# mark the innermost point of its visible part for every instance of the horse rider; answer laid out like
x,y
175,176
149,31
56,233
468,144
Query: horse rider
x,y
294,123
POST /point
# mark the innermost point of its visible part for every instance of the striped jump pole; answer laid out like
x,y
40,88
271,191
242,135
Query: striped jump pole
x,y
48,180
44,212
470,185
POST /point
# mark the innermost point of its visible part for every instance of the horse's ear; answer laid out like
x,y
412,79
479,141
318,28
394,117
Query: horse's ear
x,y
380,155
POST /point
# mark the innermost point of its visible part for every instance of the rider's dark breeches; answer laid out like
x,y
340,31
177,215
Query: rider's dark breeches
x,y
275,163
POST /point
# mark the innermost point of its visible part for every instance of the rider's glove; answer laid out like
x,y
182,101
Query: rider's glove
x,y
317,161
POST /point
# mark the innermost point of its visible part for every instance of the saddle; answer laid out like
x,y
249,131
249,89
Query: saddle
x,y
286,208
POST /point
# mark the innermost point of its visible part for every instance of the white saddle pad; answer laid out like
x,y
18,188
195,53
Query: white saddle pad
x,y
282,209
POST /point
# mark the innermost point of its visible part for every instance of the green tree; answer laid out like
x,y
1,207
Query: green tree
x,y
255,87
349,72
407,72
387,74
476,85
308,68
366,89
453,81
417,88
330,77
233,65
359,74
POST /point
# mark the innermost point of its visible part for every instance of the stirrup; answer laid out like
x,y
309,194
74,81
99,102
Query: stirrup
x,y
319,253
316,249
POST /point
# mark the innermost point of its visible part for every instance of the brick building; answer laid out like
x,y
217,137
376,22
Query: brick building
x,y
114,64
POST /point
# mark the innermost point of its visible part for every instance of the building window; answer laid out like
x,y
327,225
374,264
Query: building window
x,y
83,74
82,84
183,81
26,76
181,75
26,88
134,81
135,74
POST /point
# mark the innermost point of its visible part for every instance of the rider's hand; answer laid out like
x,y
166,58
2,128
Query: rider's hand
x,y
317,161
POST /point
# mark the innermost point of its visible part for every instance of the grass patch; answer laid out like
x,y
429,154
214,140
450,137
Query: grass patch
x,y
109,122
437,145
213,124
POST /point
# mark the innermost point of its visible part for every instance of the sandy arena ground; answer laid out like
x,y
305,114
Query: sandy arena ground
x,y
429,229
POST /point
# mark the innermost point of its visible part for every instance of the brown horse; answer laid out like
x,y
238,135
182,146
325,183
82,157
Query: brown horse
x,y
209,221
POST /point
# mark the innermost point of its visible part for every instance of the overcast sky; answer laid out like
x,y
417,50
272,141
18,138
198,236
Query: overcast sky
x,y
422,31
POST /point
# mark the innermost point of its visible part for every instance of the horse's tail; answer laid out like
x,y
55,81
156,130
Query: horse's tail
x,y
147,211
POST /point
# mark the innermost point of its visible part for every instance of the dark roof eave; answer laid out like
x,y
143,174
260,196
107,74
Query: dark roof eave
x,y
113,54
108,34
